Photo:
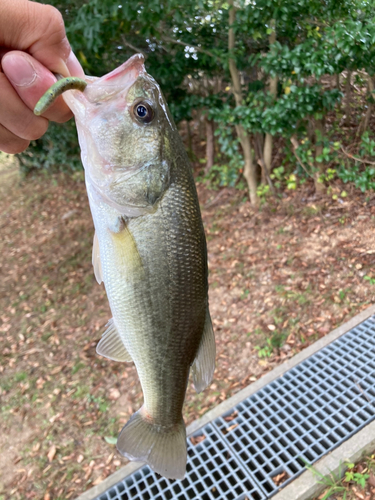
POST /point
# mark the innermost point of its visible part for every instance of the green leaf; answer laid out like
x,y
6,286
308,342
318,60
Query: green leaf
x,y
110,439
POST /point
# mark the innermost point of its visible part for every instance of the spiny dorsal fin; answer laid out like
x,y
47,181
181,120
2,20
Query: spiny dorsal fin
x,y
97,265
111,345
204,364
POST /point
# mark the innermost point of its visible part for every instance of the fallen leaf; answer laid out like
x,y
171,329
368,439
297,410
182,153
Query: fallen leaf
x,y
51,453
88,473
55,417
114,394
230,428
232,416
280,478
197,439
56,370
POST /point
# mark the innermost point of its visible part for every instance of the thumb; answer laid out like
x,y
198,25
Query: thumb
x,y
31,80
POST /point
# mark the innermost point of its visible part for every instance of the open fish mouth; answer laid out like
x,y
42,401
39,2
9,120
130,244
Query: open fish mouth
x,y
118,80
95,90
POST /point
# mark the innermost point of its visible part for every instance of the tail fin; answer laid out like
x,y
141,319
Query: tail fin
x,y
162,448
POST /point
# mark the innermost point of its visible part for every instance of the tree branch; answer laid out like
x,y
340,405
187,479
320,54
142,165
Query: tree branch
x,y
295,145
234,73
198,49
357,159
136,49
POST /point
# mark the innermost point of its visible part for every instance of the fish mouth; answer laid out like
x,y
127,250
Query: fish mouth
x,y
100,90
118,80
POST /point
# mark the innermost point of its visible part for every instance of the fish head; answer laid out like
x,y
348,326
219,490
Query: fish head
x,y
123,123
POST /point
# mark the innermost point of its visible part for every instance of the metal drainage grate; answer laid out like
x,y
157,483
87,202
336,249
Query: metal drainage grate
x,y
270,436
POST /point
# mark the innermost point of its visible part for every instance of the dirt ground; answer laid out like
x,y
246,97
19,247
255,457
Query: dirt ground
x,y
281,277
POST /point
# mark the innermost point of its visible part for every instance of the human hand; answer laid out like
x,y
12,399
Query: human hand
x,y
33,46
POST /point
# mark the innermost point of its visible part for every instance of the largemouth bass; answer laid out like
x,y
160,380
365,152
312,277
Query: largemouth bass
x,y
150,252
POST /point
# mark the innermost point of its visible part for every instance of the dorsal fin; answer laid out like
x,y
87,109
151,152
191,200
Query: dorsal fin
x,y
204,364
111,345
97,265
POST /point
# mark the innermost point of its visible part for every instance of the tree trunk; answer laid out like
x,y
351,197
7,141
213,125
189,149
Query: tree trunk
x,y
258,156
370,106
210,145
249,171
267,155
319,128
249,167
338,86
348,95
200,118
268,142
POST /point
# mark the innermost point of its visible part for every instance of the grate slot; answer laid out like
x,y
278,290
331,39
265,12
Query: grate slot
x,y
295,419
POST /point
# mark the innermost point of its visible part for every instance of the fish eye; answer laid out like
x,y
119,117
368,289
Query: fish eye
x,y
143,112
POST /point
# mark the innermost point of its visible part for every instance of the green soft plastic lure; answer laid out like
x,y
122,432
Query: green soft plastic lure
x,y
62,84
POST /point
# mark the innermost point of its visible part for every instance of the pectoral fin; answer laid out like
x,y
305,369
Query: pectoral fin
x,y
97,265
111,345
204,363
127,255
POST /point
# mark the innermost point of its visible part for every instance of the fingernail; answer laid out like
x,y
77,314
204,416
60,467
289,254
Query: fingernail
x,y
74,66
18,70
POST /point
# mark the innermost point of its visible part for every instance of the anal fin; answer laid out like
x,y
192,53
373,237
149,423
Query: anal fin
x,y
96,263
204,364
111,345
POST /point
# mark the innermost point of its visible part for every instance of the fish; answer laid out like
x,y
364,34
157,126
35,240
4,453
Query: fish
x,y
150,251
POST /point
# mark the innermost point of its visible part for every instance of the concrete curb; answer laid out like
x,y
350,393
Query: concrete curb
x,y
245,393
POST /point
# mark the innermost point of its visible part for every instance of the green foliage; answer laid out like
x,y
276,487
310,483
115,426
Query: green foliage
x,y
20,376
332,482
223,175
367,147
263,191
265,351
274,342
362,175
363,179
231,164
356,477
185,45
110,440
100,403
57,150
369,279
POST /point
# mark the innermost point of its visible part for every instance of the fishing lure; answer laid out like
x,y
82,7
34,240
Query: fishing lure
x,y
62,84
